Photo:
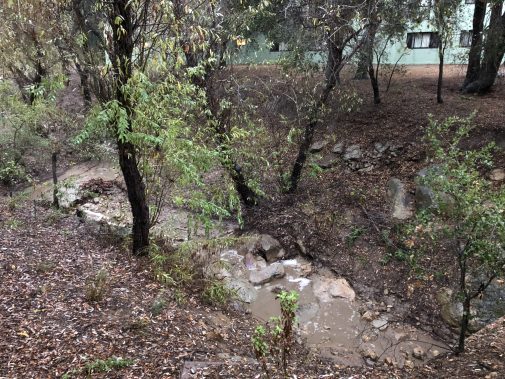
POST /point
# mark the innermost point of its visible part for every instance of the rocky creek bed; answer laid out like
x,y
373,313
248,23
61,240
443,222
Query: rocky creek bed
x,y
332,319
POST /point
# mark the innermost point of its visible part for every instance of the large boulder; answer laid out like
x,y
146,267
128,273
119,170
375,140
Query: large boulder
x,y
326,288
451,310
267,274
426,197
398,198
264,245
244,290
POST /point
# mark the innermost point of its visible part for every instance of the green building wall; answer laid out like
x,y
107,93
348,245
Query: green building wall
x,y
258,52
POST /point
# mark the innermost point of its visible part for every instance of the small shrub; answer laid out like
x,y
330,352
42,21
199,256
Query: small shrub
x,y
97,286
274,341
216,293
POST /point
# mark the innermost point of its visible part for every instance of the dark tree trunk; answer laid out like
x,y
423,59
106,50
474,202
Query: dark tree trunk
x,y
136,197
465,320
375,85
54,161
84,77
333,66
220,120
474,55
374,80
440,74
122,65
494,49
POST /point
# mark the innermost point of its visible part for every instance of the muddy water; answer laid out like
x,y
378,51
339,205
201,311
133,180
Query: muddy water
x,y
332,325
335,328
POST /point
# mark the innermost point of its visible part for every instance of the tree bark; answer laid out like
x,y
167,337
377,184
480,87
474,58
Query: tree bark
x,y
494,49
474,55
333,66
374,80
440,74
54,159
121,59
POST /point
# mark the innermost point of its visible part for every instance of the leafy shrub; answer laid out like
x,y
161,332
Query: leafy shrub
x,y
273,342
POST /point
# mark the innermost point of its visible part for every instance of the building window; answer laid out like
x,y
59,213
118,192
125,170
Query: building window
x,y
469,1
465,38
423,40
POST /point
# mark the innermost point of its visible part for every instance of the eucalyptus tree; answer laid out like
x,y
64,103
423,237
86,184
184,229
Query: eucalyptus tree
x,y
148,103
445,21
31,34
341,25
487,48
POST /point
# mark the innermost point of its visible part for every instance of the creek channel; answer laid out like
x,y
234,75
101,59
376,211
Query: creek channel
x,y
331,319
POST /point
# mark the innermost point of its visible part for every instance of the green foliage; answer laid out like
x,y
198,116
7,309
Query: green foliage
x,y
474,229
98,366
353,235
12,172
97,286
274,341
217,293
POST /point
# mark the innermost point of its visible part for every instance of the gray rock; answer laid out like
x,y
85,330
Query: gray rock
x,y
451,310
267,274
327,288
498,174
265,245
380,323
271,248
245,291
338,148
381,148
327,161
398,198
317,146
418,352
425,197
353,152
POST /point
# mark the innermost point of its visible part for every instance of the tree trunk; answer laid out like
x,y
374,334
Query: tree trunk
x,y
494,49
474,55
136,196
374,80
54,159
121,59
440,74
333,66
83,75
465,320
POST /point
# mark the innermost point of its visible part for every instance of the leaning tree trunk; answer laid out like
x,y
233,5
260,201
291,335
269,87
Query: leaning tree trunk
x,y
494,49
123,44
474,55
333,66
